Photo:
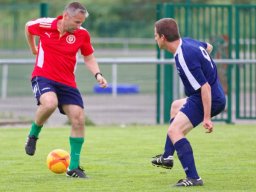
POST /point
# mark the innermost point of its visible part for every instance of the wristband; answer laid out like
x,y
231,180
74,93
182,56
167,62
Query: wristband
x,y
96,74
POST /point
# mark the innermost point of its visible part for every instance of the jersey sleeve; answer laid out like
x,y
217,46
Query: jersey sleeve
x,y
33,27
86,48
203,44
37,26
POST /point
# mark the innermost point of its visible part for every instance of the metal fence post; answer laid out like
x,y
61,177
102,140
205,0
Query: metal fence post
x,y
114,80
158,72
168,72
229,95
43,9
4,81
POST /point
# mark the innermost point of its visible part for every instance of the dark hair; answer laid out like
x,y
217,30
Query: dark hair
x,y
169,28
75,8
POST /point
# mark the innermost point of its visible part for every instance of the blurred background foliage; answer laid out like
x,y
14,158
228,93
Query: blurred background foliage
x,y
112,18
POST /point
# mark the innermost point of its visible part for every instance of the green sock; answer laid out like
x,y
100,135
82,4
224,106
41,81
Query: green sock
x,y
75,149
35,129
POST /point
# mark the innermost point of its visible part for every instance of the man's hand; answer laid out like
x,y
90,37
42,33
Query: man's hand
x,y
102,81
208,125
34,51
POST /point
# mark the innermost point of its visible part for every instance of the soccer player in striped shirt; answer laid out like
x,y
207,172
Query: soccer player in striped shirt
x,y
53,77
205,97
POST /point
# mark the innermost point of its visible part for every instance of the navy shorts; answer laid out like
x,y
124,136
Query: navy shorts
x,y
193,108
65,94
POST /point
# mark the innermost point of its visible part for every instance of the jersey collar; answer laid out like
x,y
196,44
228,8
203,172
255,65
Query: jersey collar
x,y
54,23
178,48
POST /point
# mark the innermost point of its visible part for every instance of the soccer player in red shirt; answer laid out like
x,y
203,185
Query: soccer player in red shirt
x,y
53,78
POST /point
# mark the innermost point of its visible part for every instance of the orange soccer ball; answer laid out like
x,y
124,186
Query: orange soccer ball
x,y
58,161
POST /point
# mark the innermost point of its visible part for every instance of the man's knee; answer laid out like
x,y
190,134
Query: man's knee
x,y
174,108
178,129
49,101
78,121
173,133
50,104
173,130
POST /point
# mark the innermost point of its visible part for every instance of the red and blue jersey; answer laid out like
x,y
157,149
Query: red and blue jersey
x,y
57,56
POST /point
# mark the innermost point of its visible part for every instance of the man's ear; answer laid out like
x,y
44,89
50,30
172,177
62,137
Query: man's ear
x,y
65,15
163,37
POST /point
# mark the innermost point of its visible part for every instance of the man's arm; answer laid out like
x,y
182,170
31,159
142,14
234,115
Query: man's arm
x,y
207,103
92,65
31,41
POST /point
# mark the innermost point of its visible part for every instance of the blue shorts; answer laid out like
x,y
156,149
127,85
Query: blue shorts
x,y
193,108
65,94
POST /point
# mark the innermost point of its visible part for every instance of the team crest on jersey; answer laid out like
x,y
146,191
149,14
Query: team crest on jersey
x,y
71,39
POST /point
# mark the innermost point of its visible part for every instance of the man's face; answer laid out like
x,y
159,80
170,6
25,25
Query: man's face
x,y
159,40
72,23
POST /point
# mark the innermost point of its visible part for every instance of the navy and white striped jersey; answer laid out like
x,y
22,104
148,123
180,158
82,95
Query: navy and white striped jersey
x,y
194,65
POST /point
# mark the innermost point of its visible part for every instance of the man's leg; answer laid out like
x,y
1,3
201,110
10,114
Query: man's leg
x,y
76,116
48,104
166,159
177,131
175,108
168,148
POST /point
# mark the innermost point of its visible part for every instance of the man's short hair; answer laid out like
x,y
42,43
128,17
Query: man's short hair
x,y
169,28
74,8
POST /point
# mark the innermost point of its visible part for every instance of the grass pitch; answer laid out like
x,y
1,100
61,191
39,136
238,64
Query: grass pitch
x,y
118,159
